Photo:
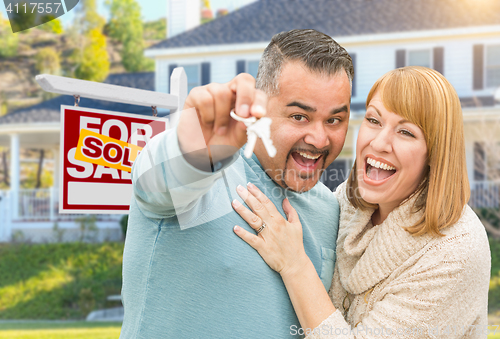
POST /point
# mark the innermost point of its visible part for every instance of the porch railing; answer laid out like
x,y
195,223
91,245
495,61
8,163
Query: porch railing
x,y
485,194
43,205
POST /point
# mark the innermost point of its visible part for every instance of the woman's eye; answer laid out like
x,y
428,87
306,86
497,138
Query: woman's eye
x,y
407,133
299,117
372,121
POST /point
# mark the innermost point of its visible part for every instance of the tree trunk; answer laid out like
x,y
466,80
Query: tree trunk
x,y
5,169
40,169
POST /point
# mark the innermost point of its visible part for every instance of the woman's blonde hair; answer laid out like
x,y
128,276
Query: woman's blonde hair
x,y
425,98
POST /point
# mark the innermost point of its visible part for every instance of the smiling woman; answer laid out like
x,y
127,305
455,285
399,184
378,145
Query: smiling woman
x,y
412,258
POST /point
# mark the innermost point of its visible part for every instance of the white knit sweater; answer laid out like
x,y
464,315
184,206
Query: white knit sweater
x,y
396,285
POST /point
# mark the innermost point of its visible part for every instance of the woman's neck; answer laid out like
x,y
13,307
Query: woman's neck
x,y
381,213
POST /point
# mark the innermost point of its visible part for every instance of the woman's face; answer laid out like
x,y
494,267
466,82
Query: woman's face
x,y
392,154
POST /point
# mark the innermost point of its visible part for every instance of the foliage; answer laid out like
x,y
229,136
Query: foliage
x,y
87,16
88,228
58,281
124,224
47,61
94,63
125,26
494,293
8,40
54,26
155,30
490,217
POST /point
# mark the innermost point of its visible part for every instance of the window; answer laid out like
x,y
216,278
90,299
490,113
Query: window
x,y
420,58
193,75
252,67
492,66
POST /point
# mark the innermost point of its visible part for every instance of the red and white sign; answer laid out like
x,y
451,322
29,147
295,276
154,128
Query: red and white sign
x,y
98,149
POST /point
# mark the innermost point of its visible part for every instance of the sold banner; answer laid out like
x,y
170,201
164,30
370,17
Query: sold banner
x,y
98,149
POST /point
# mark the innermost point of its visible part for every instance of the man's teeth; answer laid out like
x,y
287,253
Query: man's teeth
x,y
379,164
305,155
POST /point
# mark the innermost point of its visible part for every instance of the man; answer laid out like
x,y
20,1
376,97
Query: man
x,y
185,273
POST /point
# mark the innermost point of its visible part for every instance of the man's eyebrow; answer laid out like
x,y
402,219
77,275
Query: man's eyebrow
x,y
302,106
340,110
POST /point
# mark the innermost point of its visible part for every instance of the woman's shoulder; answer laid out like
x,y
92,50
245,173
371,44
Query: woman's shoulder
x,y
465,241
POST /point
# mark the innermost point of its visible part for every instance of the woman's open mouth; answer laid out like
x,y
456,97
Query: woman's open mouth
x,y
306,161
378,172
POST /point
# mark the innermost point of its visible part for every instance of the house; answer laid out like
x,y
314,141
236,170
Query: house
x,y
459,38
32,213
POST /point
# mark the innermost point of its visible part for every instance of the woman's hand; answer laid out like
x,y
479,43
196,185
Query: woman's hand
x,y
280,243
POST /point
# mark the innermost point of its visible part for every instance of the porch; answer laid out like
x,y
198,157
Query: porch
x,y
38,219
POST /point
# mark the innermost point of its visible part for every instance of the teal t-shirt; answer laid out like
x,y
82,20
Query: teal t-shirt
x,y
186,274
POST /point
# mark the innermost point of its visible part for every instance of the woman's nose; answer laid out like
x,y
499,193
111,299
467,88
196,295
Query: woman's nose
x,y
382,142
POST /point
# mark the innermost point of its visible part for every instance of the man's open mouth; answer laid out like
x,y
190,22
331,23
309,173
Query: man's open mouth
x,y
306,160
378,171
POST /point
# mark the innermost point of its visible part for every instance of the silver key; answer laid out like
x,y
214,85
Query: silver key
x,y
257,128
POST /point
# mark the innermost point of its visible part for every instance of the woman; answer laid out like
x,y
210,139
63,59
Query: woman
x,y
413,259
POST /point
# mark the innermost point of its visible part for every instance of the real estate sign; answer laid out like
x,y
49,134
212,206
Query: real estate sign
x,y
98,149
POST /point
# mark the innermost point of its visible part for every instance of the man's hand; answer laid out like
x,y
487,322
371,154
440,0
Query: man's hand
x,y
212,104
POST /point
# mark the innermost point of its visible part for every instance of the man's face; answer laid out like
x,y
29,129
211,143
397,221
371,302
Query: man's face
x,y
310,120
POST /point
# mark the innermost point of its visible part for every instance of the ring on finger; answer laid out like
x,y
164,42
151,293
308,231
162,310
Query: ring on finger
x,y
261,227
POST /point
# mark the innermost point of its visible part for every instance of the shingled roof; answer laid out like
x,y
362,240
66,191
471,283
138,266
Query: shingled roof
x,y
259,21
50,110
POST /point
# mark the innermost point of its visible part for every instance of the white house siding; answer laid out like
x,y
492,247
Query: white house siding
x,y
373,60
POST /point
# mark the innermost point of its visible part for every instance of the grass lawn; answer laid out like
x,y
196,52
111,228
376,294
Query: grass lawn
x,y
59,330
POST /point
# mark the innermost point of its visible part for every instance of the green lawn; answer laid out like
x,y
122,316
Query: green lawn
x,y
59,330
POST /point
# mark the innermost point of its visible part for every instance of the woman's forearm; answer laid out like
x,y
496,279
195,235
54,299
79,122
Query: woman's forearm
x,y
308,295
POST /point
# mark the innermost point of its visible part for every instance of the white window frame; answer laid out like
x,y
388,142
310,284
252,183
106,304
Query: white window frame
x,y
485,77
431,56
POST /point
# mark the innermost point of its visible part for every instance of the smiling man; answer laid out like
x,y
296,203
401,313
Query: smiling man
x,y
185,273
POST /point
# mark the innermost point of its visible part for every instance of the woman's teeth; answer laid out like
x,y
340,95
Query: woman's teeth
x,y
307,156
379,164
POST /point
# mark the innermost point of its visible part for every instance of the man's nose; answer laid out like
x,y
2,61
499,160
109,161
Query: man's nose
x,y
317,136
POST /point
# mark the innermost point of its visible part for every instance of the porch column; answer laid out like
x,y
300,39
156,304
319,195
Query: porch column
x,y
54,191
15,171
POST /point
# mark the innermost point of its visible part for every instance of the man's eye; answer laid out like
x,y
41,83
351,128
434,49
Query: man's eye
x,y
299,117
334,121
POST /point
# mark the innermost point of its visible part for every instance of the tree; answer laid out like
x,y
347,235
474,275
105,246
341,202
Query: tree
x,y
8,40
125,26
91,58
47,61
54,26
94,63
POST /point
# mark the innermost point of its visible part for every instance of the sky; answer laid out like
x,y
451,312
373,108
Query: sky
x,y
151,9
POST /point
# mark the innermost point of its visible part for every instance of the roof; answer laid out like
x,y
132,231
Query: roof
x,y
259,21
50,110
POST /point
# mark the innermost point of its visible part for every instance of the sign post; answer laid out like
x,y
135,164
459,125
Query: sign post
x,y
98,148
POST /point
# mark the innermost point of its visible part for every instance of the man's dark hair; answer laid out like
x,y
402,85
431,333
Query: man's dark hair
x,y
319,52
